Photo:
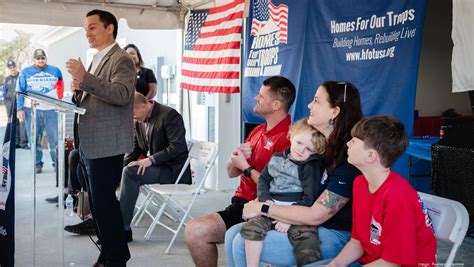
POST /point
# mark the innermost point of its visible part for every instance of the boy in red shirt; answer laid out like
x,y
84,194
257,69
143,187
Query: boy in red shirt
x,y
390,225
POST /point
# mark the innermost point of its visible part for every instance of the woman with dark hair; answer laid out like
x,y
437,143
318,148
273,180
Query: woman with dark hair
x,y
146,80
334,110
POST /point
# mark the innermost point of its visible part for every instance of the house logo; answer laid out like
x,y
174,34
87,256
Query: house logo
x,y
269,29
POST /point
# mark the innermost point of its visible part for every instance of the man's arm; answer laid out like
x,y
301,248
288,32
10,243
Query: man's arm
x,y
151,91
176,135
238,163
351,252
135,154
119,90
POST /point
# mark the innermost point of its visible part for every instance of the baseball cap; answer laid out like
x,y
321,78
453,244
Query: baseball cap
x,y
11,64
39,53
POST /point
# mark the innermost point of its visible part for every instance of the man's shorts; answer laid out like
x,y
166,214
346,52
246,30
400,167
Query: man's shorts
x,y
232,215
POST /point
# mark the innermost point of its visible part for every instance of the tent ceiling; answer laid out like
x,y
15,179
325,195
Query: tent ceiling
x,y
140,14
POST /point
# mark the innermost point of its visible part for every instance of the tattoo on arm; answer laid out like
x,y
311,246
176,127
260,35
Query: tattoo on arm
x,y
332,201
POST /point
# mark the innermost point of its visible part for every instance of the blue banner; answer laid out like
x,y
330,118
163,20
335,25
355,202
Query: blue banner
x,y
7,193
373,44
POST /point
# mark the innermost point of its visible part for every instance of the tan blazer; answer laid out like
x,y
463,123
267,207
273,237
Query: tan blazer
x,y
106,129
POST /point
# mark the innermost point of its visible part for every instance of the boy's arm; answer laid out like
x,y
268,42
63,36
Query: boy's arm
x,y
351,252
310,180
263,185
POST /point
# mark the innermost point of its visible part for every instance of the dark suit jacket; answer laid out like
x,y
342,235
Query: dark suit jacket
x,y
106,129
166,144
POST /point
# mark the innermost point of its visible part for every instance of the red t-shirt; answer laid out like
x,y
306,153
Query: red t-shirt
x,y
391,223
264,145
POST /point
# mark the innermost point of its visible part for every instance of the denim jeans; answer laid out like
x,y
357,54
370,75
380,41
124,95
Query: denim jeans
x,y
277,248
46,120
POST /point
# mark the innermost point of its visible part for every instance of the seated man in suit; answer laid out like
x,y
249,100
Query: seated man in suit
x,y
160,137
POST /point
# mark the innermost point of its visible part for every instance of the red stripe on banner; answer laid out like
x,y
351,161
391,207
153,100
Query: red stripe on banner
x,y
212,89
221,32
224,8
230,17
210,75
212,61
215,47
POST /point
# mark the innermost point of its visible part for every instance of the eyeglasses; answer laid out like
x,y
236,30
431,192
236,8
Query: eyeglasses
x,y
39,58
345,89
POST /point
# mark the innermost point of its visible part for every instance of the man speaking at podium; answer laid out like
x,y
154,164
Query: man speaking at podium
x,y
105,131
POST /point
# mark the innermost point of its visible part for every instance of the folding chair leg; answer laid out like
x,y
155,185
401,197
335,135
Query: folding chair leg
x,y
452,255
155,220
181,223
142,210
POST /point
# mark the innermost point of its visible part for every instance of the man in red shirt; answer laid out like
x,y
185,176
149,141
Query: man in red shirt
x,y
275,98
390,225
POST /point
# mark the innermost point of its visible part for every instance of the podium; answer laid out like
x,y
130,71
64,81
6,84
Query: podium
x,y
62,107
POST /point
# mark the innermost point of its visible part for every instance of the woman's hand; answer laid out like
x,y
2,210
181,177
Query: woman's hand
x,y
282,227
252,209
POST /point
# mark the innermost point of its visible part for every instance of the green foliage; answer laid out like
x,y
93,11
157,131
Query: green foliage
x,y
19,49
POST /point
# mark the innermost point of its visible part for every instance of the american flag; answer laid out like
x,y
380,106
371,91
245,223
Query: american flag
x,y
211,59
263,10
7,192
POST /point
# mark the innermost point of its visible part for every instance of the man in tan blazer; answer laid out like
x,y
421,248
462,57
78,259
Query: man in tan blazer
x,y
105,131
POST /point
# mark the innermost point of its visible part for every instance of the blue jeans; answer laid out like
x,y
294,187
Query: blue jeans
x,y
46,120
277,248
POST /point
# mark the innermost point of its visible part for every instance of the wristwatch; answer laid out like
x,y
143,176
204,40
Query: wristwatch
x,y
265,208
248,172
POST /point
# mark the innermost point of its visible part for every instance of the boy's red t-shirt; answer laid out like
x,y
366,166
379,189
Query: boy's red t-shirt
x,y
392,224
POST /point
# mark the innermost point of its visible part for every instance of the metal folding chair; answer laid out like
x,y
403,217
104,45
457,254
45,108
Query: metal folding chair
x,y
450,221
202,154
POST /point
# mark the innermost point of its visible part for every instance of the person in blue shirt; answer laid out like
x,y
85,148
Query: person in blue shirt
x,y
48,80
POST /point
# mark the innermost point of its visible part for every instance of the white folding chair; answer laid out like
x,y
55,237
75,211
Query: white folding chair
x,y
202,153
142,208
450,221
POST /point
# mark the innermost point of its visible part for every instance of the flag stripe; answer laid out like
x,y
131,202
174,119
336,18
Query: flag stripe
x,y
211,75
223,8
212,61
211,82
211,68
214,47
212,89
222,32
220,39
212,54
229,17
225,25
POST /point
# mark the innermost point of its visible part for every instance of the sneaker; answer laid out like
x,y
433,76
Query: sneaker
x,y
52,199
38,169
86,227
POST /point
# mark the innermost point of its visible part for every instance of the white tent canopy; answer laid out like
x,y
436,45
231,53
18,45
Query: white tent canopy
x,y
140,14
